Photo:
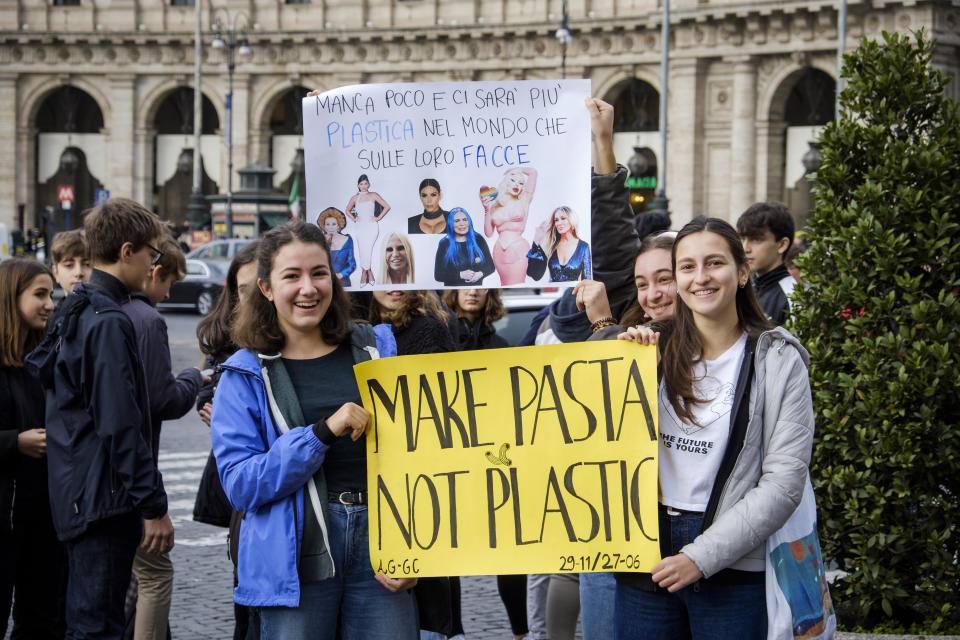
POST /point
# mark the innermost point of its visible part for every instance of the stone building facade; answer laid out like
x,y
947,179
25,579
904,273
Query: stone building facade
x,y
748,79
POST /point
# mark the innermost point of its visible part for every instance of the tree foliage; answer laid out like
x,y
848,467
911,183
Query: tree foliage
x,y
881,319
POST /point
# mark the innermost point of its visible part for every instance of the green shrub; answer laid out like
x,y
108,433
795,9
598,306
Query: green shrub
x,y
881,319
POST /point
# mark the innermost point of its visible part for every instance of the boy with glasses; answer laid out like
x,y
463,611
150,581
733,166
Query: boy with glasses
x,y
106,494
170,398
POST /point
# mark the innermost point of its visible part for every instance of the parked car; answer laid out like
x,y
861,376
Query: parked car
x,y
522,305
200,289
219,249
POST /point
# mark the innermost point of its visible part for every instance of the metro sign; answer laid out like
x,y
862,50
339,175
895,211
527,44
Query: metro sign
x,y
65,195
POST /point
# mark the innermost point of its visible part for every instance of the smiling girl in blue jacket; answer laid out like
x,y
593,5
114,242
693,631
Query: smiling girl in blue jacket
x,y
284,403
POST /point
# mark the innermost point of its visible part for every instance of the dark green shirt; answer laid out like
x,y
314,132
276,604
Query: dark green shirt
x,y
323,385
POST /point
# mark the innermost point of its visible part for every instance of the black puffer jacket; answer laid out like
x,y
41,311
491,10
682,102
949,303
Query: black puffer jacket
x,y
614,238
97,415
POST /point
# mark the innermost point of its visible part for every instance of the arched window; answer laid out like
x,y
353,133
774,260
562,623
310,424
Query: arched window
x,y
175,114
636,107
811,101
69,110
286,133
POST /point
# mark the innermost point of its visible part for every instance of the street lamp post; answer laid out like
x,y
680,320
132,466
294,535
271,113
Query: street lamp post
x,y
563,35
841,44
235,29
197,209
660,203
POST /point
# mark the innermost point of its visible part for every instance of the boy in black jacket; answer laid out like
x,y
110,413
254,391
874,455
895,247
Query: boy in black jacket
x,y
170,398
106,494
766,229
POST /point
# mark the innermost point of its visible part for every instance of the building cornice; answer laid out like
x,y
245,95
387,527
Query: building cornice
x,y
709,31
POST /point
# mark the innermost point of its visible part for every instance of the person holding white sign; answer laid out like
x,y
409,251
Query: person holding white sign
x,y
362,209
505,211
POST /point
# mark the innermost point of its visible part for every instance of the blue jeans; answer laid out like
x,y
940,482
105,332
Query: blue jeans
x,y
537,586
699,611
597,593
364,608
100,562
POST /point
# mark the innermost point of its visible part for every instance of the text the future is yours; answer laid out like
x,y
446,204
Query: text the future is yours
x,y
384,142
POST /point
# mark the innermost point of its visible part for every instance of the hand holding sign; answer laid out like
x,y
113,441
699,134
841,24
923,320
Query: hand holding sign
x,y
601,134
349,416
396,584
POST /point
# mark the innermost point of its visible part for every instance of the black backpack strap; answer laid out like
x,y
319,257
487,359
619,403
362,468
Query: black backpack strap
x,y
739,417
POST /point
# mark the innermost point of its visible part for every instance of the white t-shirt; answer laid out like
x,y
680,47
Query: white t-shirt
x,y
690,455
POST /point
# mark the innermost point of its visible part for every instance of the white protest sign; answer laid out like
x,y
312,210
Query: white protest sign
x,y
452,184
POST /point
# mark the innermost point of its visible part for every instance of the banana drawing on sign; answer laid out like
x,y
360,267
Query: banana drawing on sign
x,y
523,460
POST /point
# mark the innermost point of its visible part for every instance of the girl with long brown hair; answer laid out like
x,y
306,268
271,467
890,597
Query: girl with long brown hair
x,y
26,305
736,427
283,405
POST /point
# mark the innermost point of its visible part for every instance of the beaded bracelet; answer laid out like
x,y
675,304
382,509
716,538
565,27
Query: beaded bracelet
x,y
603,322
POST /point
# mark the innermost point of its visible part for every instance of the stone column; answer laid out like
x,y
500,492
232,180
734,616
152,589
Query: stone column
x,y
8,141
120,154
684,165
27,175
743,132
143,166
241,126
771,143
258,146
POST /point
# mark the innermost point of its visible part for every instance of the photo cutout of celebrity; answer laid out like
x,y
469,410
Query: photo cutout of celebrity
x,y
505,212
463,257
332,221
396,266
366,208
434,218
557,246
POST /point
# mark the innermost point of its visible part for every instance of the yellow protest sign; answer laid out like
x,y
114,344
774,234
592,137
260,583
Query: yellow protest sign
x,y
521,460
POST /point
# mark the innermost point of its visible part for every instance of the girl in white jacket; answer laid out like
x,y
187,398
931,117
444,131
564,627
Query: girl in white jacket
x,y
736,427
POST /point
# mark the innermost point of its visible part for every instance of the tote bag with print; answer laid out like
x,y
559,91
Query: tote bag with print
x,y
798,599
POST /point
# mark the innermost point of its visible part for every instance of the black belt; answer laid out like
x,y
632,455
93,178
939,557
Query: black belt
x,y
348,497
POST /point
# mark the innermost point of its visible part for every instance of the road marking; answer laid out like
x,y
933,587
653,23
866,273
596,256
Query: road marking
x,y
171,458
182,472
